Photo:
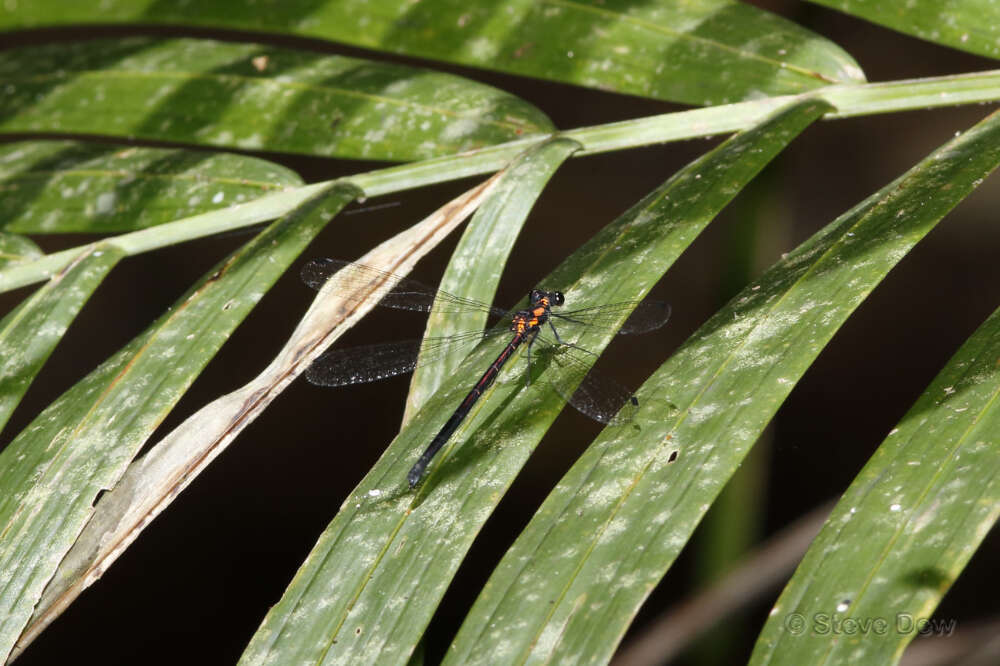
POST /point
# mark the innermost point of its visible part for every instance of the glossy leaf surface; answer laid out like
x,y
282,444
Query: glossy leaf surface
x,y
68,186
254,97
969,25
665,49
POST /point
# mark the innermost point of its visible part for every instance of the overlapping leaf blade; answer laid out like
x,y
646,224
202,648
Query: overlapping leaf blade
x,y
81,443
254,97
152,482
30,332
665,49
905,529
478,260
15,248
375,577
568,588
969,25
69,186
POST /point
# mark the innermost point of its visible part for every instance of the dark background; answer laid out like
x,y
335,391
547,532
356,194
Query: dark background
x,y
197,583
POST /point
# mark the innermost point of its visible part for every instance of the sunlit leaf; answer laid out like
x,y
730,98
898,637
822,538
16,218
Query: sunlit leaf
x,y
254,97
667,49
67,186
377,574
969,25
615,523
15,248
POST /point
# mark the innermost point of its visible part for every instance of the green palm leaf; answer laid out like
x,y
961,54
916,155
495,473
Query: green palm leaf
x,y
619,518
31,331
575,578
481,254
15,249
664,49
970,25
254,97
910,520
52,472
386,538
66,186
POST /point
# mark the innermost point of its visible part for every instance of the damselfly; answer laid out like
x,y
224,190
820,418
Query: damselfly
x,y
596,396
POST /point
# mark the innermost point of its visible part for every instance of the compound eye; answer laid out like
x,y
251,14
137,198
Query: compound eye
x,y
558,298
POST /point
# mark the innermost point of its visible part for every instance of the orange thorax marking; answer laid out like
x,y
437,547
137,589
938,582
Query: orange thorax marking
x,y
530,319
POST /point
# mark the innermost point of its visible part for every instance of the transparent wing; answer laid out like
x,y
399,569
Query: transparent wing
x,y
646,316
369,363
596,396
405,294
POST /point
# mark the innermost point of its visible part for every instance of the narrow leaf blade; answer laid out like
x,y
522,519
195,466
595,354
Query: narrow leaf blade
x,y
376,575
81,443
15,249
907,526
969,25
478,260
664,49
69,186
574,579
30,332
254,97
152,482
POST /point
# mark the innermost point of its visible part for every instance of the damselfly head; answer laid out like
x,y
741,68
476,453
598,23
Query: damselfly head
x,y
553,297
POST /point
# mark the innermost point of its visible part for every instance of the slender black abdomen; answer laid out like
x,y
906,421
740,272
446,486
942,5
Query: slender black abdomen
x,y
451,425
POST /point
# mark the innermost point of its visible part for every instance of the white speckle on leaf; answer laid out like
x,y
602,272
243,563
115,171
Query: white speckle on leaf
x,y
106,203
